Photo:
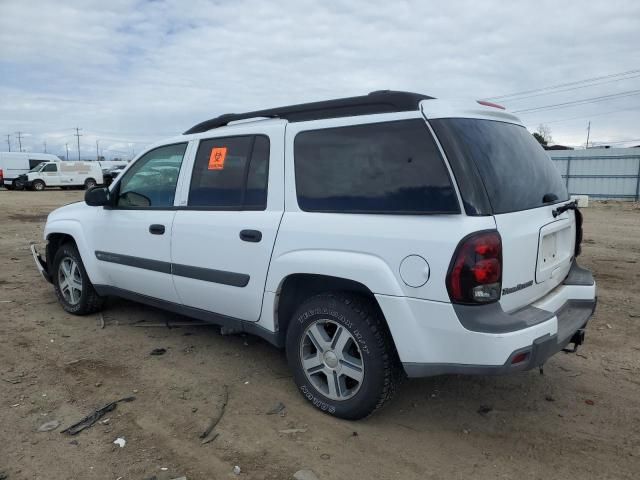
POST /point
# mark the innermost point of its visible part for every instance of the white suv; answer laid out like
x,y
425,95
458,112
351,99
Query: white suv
x,y
372,237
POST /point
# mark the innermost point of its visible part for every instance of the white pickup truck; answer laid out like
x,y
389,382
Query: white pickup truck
x,y
372,237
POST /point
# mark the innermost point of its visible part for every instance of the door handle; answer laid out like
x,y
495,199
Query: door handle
x,y
156,229
251,235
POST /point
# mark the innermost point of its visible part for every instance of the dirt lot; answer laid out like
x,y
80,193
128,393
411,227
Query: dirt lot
x,y
581,419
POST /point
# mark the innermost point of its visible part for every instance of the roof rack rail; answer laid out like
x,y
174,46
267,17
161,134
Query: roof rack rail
x,y
381,101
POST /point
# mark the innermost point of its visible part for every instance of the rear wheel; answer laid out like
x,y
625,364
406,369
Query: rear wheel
x,y
342,355
38,185
89,183
17,184
71,283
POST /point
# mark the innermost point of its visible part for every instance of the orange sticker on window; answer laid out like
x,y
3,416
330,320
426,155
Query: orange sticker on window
x,y
216,159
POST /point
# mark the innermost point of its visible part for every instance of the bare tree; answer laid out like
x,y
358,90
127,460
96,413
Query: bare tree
x,y
543,135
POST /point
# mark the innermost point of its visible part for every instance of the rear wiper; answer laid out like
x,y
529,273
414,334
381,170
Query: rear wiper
x,y
567,206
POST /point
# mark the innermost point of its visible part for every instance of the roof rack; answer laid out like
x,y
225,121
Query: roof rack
x,y
381,101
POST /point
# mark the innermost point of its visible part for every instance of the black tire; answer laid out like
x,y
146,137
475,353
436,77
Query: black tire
x,y
38,185
360,317
17,185
89,301
89,183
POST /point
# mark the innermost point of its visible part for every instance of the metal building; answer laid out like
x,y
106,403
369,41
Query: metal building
x,y
601,173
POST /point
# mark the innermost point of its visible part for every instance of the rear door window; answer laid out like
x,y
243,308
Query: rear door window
x,y
231,173
510,165
390,167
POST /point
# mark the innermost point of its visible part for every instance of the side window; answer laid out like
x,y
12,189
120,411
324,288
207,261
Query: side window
x,y
231,173
34,163
51,167
152,180
390,167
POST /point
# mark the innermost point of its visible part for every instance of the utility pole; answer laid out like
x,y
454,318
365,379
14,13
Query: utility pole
x,y
19,140
9,141
67,147
588,133
45,146
78,134
97,151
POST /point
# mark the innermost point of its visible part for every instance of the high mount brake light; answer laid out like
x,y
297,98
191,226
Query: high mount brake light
x,y
475,273
490,104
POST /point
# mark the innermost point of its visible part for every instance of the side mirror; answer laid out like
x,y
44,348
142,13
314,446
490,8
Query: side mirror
x,y
98,197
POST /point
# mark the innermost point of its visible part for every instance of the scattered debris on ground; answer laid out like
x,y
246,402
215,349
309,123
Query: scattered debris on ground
x,y
277,408
215,420
305,475
158,351
121,442
49,426
92,418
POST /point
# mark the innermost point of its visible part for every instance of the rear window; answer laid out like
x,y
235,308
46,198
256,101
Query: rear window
x,y
513,169
390,167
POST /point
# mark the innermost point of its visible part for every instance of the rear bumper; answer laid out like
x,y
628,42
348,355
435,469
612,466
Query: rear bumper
x,y
572,322
432,339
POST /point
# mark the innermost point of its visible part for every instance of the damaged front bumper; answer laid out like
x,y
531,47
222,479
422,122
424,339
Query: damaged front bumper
x,y
41,264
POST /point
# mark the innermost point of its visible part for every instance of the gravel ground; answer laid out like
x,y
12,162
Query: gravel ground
x,y
580,419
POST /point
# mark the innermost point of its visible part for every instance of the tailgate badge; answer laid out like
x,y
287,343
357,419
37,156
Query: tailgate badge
x,y
520,286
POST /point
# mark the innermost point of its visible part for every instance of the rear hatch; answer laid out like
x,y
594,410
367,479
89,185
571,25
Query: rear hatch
x,y
503,171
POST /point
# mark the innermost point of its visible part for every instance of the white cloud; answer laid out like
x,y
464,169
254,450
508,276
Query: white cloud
x,y
135,71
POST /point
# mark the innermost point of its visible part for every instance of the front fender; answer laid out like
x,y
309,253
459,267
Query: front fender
x,y
74,229
363,268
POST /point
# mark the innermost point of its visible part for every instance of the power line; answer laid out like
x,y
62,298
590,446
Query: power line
x,y
583,101
78,134
571,89
569,84
19,134
585,116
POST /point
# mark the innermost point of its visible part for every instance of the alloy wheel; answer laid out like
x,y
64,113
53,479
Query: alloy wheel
x,y
70,280
332,360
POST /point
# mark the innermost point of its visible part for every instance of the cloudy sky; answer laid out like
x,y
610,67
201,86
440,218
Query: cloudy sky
x,y
131,72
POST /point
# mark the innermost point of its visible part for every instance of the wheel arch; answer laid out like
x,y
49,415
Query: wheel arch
x,y
59,232
295,288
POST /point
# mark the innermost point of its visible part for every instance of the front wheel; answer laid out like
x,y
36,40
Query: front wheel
x,y
89,183
342,355
71,283
38,185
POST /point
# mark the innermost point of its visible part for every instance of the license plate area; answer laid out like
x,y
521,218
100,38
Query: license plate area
x,y
555,249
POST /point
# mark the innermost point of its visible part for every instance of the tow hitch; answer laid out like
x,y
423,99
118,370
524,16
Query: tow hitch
x,y
577,339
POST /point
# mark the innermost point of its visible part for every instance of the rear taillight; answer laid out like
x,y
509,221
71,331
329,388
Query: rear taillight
x,y
475,273
1,177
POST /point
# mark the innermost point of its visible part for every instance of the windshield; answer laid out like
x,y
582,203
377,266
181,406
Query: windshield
x,y
513,169
38,167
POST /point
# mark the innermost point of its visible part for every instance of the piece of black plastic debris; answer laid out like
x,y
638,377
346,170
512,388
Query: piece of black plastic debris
x,y
277,408
158,351
484,409
4,476
549,398
73,442
92,418
215,420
